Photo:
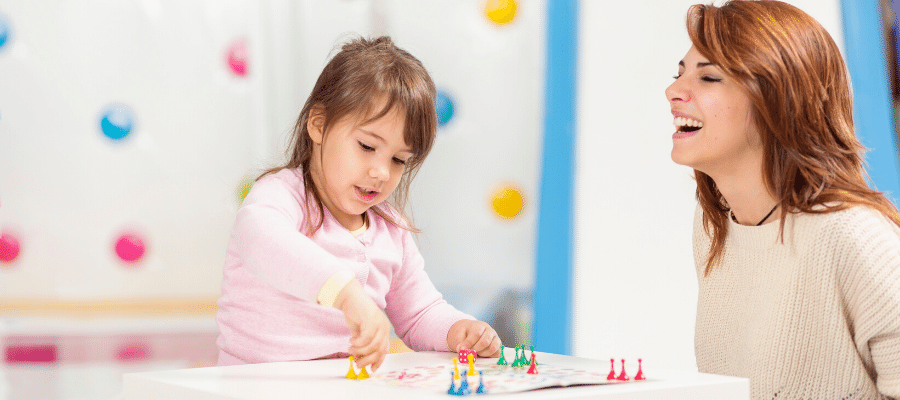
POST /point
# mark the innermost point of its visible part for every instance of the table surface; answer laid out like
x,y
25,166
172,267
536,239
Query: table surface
x,y
325,379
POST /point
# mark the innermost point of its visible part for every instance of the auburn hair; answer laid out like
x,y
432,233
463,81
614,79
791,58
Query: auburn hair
x,y
363,75
799,87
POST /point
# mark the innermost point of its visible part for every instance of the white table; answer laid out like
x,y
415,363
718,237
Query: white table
x,y
324,379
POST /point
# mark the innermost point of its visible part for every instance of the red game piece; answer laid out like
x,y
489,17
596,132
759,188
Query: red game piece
x,y
533,369
640,375
623,376
464,355
612,370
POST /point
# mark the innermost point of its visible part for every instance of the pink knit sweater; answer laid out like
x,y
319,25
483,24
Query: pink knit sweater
x,y
268,310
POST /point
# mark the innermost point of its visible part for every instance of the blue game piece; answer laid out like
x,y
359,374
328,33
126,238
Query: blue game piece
x,y
444,107
481,389
452,385
464,386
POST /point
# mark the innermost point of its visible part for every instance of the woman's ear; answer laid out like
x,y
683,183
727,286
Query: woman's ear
x,y
315,123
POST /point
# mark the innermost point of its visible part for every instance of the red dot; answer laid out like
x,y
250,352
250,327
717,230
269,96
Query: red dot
x,y
237,57
133,352
9,247
130,247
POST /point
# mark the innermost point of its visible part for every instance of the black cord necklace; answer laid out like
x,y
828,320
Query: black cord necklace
x,y
733,218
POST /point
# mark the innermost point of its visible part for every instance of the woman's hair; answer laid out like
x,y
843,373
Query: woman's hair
x,y
366,74
799,88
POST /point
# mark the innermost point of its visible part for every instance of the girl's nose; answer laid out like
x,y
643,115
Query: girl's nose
x,y
380,171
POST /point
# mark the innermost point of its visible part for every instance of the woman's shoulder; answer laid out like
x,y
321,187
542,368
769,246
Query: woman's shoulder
x,y
853,223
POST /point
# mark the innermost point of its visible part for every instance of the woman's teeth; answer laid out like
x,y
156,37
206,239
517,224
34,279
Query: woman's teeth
x,y
686,124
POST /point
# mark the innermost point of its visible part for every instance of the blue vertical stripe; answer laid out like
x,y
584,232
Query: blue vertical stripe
x,y
872,103
552,302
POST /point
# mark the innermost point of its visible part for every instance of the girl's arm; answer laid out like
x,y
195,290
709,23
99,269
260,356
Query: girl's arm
x,y
267,240
421,317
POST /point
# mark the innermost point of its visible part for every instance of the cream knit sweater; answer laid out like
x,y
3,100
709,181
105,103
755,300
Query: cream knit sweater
x,y
817,317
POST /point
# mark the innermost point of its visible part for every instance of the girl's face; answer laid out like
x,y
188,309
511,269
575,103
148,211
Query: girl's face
x,y
715,132
357,166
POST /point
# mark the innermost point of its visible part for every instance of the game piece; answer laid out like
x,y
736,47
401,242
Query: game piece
x,y
502,360
471,365
351,374
533,369
623,376
481,389
640,374
612,370
455,370
362,374
464,355
517,362
532,353
452,389
525,360
464,386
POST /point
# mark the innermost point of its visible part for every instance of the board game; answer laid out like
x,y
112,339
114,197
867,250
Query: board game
x,y
485,376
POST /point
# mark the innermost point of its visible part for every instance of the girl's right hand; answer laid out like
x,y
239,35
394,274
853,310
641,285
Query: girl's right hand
x,y
369,327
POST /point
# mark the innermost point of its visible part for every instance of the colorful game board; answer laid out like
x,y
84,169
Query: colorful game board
x,y
497,378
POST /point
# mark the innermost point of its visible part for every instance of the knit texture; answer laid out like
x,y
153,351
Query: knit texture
x,y
273,272
814,317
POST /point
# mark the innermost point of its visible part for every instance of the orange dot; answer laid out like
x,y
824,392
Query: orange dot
x,y
507,202
500,11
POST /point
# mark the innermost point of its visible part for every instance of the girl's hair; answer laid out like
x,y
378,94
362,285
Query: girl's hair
x,y
367,73
799,88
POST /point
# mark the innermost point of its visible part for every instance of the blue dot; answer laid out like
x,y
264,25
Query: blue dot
x,y
117,121
4,31
444,107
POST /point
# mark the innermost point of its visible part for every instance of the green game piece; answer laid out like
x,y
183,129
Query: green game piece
x,y
502,360
517,362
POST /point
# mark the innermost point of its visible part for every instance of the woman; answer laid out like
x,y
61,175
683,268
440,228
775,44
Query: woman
x,y
798,260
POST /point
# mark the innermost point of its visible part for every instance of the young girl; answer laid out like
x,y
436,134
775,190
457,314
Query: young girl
x,y
798,260
317,252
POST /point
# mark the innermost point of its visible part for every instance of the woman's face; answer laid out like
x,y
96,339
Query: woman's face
x,y
715,132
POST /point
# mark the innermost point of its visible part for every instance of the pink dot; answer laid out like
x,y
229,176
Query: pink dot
x,y
9,247
130,247
133,352
237,57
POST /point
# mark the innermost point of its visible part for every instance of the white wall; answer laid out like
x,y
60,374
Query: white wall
x,y
635,288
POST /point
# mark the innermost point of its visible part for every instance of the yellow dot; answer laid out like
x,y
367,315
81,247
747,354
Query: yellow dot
x,y
243,190
507,202
501,11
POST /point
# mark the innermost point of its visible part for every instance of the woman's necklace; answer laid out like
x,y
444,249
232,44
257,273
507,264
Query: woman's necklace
x,y
733,218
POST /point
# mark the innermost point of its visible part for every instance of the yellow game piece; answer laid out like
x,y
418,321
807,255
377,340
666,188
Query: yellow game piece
x,y
471,366
507,201
351,374
500,11
455,370
363,374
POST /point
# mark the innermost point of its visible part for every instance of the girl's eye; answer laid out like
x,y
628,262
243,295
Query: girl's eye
x,y
711,79
366,147
677,76
399,161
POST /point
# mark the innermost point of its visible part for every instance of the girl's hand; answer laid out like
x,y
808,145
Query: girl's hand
x,y
475,335
369,327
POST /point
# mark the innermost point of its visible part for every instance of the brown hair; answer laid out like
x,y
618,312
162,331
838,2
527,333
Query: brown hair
x,y
799,88
363,75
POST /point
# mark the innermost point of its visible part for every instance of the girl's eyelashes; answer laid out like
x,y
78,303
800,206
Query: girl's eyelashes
x,y
677,76
399,161
711,79
366,147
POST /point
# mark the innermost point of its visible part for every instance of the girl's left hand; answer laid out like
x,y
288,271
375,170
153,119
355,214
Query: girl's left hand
x,y
475,335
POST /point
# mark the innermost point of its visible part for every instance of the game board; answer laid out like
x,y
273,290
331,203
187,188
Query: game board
x,y
497,378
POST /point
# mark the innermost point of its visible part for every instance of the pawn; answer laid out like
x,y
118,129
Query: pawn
x,y
362,374
464,386
532,355
524,361
471,365
502,360
612,370
623,376
351,374
640,374
455,370
517,362
452,389
533,369
481,389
